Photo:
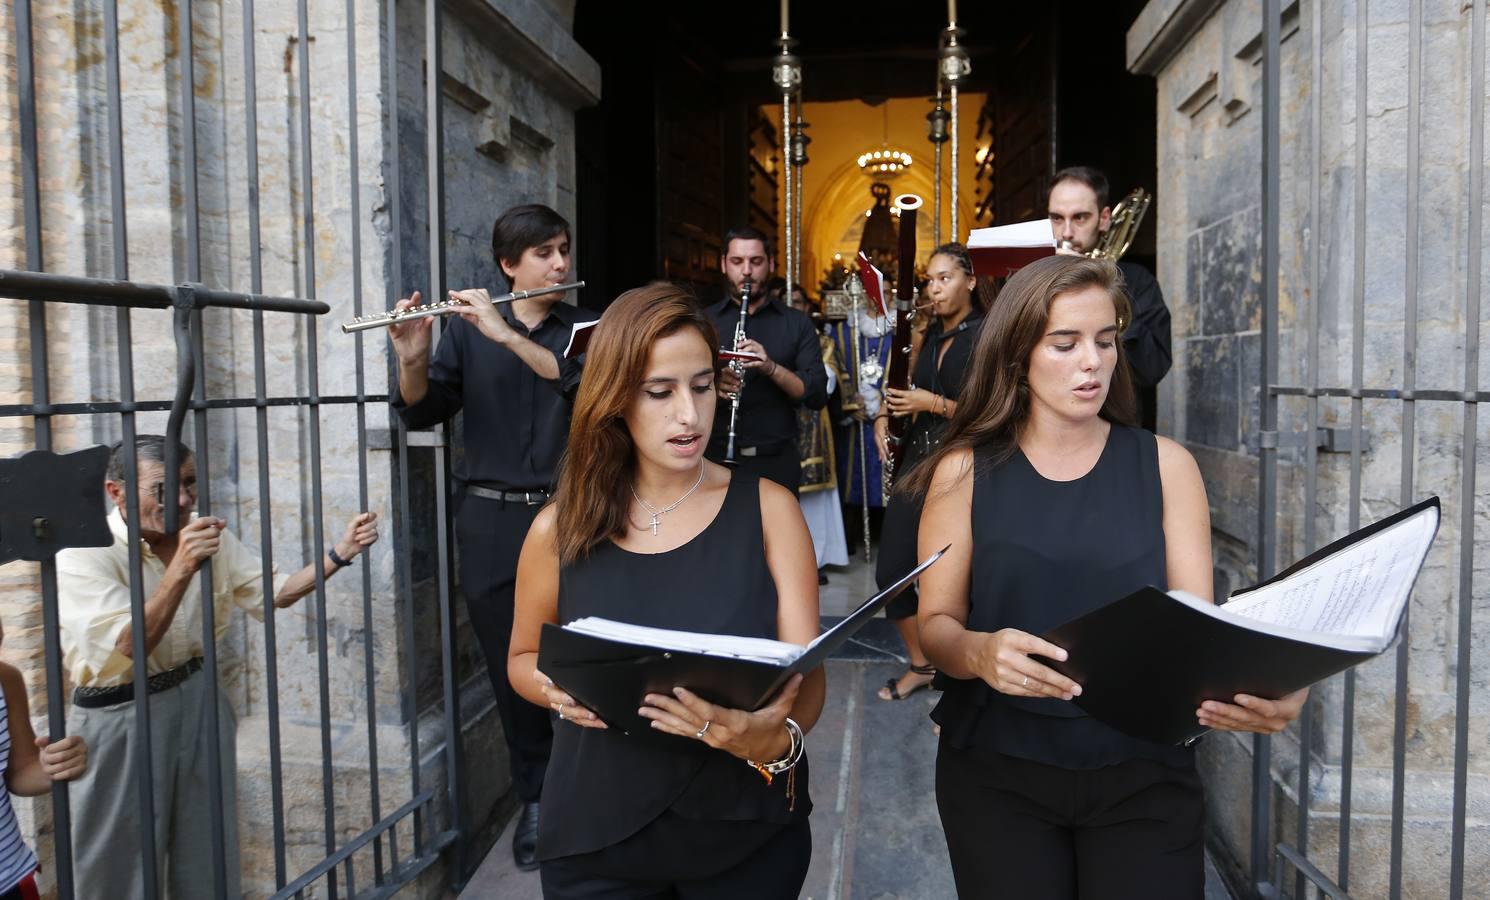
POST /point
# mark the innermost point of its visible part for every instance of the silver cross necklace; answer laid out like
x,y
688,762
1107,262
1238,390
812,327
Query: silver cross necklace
x,y
657,514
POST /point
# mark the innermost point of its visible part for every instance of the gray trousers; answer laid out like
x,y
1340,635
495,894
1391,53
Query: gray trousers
x,y
106,808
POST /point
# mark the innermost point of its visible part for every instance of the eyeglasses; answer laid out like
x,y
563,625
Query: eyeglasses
x,y
158,491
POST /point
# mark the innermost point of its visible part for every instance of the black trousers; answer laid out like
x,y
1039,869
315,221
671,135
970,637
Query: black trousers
x,y
491,534
775,869
1017,828
897,552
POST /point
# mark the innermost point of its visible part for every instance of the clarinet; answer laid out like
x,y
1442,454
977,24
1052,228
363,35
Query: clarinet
x,y
737,367
897,375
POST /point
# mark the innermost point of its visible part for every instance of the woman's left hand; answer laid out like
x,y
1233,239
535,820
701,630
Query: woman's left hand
x,y
760,736
1251,713
914,400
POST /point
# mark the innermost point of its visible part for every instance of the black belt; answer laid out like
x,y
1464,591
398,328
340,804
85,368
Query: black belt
x,y
527,498
98,697
770,449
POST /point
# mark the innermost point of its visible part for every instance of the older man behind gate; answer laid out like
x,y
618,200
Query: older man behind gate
x,y
98,647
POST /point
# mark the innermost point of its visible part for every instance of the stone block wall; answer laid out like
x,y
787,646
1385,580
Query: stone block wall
x,y
1206,59
512,77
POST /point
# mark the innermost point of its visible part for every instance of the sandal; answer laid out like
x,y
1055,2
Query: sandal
x,y
893,685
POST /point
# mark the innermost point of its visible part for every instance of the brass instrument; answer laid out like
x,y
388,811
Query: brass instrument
x,y
738,367
1123,227
396,317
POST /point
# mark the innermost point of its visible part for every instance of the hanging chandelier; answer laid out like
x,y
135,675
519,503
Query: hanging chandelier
x,y
884,163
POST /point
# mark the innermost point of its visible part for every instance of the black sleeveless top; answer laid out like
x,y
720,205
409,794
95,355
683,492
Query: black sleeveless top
x,y
603,787
1044,552
945,379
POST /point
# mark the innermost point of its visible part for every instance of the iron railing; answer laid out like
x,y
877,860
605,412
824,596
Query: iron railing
x,y
1275,855
434,823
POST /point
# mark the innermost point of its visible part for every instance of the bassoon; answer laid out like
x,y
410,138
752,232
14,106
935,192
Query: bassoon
x,y
898,373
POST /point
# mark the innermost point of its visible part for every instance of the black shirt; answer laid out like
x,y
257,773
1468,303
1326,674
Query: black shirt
x,y
604,786
1045,552
516,423
944,377
767,414
1146,341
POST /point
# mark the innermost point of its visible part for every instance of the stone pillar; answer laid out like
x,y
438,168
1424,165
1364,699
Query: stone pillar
x,y
1205,56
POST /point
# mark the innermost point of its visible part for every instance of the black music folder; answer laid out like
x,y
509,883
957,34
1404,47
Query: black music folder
x,y
609,666
1147,661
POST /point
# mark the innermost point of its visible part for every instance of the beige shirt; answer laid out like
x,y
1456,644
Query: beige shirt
x,y
93,607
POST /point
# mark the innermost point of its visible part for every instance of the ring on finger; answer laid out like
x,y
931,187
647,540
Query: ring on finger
x,y
562,717
705,730
1026,682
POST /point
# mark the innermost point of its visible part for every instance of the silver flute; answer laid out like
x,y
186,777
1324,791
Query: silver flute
x,y
395,317
739,369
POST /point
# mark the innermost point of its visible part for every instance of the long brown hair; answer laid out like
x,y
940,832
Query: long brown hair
x,y
592,496
994,404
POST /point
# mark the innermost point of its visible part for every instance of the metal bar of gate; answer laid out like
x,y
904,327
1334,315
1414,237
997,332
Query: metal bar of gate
x,y
261,438
318,529
435,168
51,288
1311,448
406,569
41,423
1357,380
1267,454
1469,452
369,674
1408,422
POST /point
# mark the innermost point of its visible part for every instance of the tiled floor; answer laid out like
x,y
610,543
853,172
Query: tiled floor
x,y
874,824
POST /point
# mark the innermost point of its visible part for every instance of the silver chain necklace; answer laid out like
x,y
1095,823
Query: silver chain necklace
x,y
657,514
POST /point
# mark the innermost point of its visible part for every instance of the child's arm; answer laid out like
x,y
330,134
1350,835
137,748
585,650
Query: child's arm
x,y
35,762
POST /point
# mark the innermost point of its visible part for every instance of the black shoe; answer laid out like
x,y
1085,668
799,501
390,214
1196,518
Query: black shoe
x,y
525,839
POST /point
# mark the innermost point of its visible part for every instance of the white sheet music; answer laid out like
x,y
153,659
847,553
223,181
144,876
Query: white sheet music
x,y
1357,592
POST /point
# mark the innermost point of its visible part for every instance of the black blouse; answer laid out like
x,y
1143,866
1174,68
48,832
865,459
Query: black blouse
x,y
1045,552
946,379
602,786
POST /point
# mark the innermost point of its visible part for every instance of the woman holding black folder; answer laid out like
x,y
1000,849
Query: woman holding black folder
x,y
1054,504
643,529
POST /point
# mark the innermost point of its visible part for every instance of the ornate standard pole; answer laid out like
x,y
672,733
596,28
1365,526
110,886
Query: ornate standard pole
x,y
955,68
786,73
936,132
800,140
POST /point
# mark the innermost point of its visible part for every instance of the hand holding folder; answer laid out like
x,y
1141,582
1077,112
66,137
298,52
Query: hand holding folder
x,y
608,667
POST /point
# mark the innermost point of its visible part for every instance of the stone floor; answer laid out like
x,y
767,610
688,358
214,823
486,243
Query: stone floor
x,y
875,830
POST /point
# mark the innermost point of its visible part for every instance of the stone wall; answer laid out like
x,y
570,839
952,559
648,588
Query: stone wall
x,y
1206,58
512,78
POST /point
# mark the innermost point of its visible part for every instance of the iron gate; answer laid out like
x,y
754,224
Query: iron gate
x,y
1295,410
401,836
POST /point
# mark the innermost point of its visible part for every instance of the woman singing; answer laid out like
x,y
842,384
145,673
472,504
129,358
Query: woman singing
x,y
936,383
1054,505
644,530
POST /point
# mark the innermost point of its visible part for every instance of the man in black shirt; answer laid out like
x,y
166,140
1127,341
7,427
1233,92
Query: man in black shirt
x,y
503,364
789,373
1079,214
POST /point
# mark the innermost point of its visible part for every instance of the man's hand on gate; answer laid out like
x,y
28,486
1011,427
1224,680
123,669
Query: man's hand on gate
x,y
198,541
64,760
361,533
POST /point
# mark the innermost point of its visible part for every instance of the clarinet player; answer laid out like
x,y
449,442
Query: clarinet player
x,y
788,373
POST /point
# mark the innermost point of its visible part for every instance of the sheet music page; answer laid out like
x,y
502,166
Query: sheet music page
x,y
1358,591
760,649
1034,233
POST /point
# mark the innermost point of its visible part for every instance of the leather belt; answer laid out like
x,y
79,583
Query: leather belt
x,y
98,697
527,498
770,449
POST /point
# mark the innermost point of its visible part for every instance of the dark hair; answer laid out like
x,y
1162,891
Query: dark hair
x,y
148,448
1092,178
994,405
983,288
522,227
745,233
593,495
